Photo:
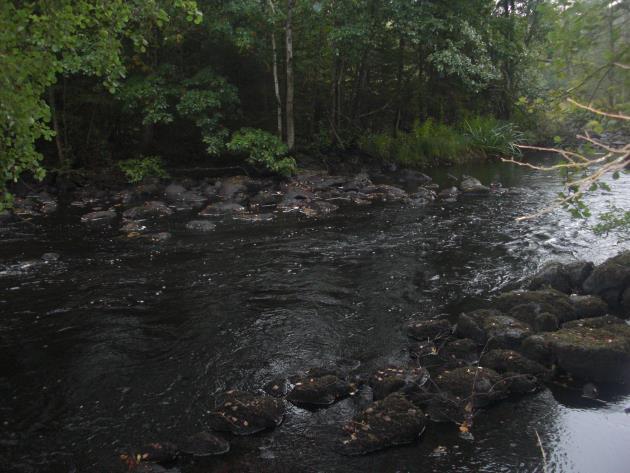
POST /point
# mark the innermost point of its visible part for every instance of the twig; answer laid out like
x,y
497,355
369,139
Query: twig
x,y
542,451
621,116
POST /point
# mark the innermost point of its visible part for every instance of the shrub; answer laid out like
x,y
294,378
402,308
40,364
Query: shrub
x,y
263,149
137,169
492,138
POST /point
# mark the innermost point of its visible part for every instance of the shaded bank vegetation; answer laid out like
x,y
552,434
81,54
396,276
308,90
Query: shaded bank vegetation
x,y
88,83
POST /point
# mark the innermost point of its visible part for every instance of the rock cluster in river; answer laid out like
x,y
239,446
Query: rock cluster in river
x,y
140,210
522,340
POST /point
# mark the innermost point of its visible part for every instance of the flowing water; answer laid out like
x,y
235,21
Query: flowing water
x,y
122,342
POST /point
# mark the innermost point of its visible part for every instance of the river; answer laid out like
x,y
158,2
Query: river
x,y
121,342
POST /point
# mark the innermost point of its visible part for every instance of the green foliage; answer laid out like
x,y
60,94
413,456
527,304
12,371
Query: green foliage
x,y
430,142
263,149
491,137
616,219
136,169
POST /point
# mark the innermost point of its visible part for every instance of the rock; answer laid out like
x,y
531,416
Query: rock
x,y
535,347
590,391
565,278
518,383
509,361
253,218
200,226
158,452
49,257
318,208
132,227
470,185
610,279
320,389
531,315
220,208
295,198
232,186
265,198
606,321
387,423
153,208
422,197
99,217
492,328
243,413
358,183
192,199
386,193
430,329
593,354
476,385
388,380
541,301
278,387
159,237
173,192
204,444
416,177
588,306
449,193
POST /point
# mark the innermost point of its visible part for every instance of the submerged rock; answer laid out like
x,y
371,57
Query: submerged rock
x,y
470,185
449,193
387,423
243,413
200,226
99,217
434,329
492,328
204,444
391,379
153,208
158,452
277,387
220,208
320,389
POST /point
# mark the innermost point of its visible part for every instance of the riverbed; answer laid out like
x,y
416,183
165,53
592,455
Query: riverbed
x,y
121,341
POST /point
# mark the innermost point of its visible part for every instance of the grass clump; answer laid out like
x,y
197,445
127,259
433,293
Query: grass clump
x,y
430,143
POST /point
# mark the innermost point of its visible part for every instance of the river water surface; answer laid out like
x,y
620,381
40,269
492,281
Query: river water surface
x,y
122,342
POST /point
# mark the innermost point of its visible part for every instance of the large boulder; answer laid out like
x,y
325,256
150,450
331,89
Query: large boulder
x,y
492,328
588,306
547,301
591,352
242,413
476,385
509,361
610,279
567,278
470,185
387,423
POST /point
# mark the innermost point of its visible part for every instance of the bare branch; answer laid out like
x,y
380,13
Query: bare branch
x,y
599,112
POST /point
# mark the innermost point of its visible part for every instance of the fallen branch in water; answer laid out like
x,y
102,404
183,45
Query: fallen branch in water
x,y
542,451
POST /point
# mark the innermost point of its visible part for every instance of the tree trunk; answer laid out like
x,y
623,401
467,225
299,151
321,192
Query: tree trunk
x,y
276,84
55,121
289,58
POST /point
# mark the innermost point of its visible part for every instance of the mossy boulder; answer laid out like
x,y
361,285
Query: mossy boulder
x,y
542,301
242,413
433,329
476,385
566,278
509,361
387,423
391,379
610,279
320,388
588,306
599,354
493,328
